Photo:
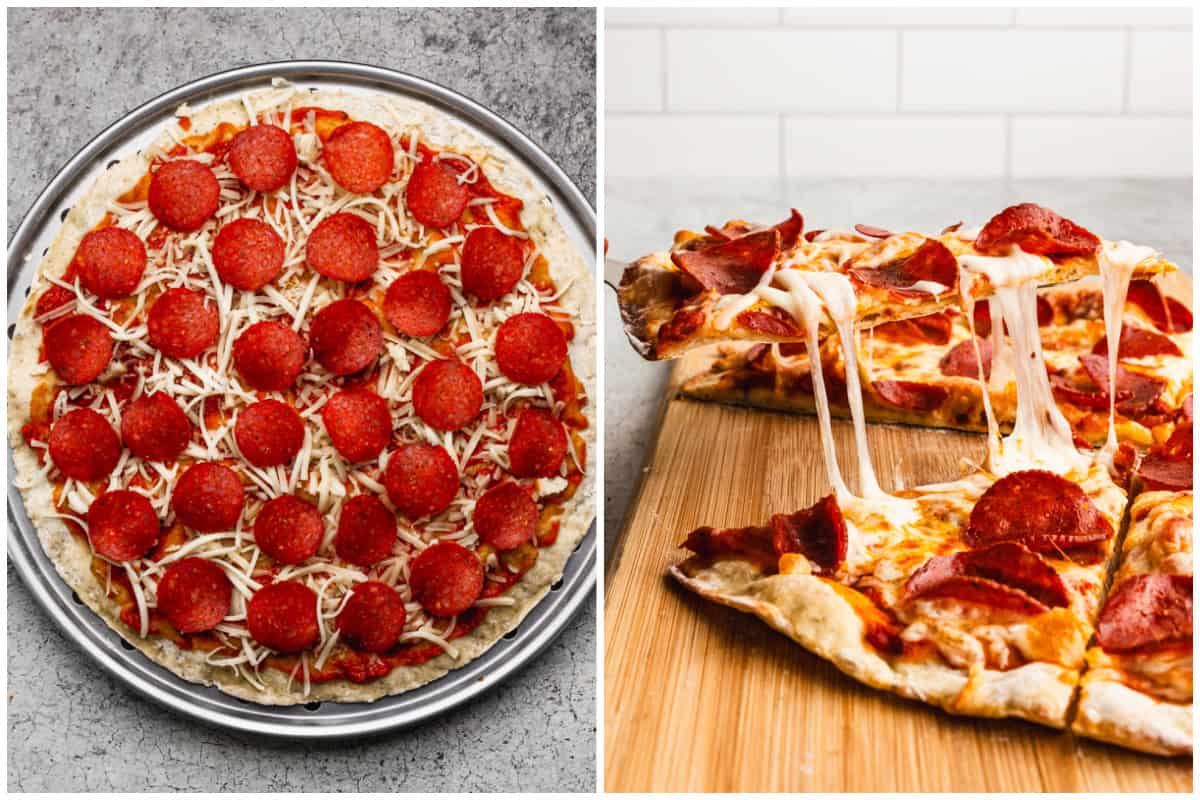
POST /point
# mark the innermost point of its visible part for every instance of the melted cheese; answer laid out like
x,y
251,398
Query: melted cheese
x,y
1117,261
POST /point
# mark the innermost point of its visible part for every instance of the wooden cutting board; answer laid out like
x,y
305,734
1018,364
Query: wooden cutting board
x,y
700,697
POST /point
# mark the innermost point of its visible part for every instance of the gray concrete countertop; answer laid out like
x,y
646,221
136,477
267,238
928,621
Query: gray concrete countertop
x,y
642,215
71,72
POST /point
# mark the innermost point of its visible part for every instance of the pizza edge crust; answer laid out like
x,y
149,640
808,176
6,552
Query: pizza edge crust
x,y
1112,712
826,625
72,557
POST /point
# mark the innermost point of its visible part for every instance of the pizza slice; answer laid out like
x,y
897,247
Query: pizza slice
x,y
977,596
742,282
1137,691
922,371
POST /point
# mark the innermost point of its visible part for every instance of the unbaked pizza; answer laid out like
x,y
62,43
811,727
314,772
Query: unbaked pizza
x,y
1016,590
300,397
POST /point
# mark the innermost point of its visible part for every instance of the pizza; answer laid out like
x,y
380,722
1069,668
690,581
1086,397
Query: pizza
x,y
988,595
922,371
738,282
299,398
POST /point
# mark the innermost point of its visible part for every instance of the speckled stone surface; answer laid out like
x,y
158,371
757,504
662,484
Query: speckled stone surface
x,y
70,74
642,216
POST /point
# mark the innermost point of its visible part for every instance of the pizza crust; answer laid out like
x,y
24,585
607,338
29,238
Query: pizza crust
x,y
1112,712
72,556
806,610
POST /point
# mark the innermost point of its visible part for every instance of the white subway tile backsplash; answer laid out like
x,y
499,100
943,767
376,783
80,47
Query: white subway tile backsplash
x,y
1083,17
929,146
633,70
692,145
1069,146
897,17
1012,70
771,70
691,17
1161,71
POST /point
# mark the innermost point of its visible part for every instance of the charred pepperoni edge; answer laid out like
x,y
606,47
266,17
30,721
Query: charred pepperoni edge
x,y
790,230
732,267
1138,342
872,231
1165,312
929,329
1135,390
771,322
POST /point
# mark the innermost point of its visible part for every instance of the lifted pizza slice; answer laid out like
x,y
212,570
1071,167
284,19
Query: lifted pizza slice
x,y
742,282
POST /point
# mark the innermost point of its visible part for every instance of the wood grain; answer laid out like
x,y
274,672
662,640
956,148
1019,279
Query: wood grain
x,y
703,698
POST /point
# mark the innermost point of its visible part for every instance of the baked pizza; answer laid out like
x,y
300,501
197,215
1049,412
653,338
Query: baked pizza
x,y
299,399
922,371
981,595
745,282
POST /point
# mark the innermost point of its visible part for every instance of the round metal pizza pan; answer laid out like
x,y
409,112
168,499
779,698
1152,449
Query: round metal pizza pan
x,y
315,720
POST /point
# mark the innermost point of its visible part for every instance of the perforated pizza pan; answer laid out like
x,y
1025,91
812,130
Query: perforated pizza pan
x,y
315,720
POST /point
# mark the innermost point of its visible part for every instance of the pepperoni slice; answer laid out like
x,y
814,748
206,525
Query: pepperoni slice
x,y
343,247
359,423
263,157
492,263
1135,390
182,323
911,395
538,444
54,298
184,194
505,516
282,616
1035,230
122,525
373,618
1004,575
366,531
983,316
819,532
530,348
873,232
733,267
790,230
434,195
771,322
1041,510
1146,610
1162,474
248,254
421,480
79,348
208,497
289,529
1166,313
961,361
346,337
84,446
195,595
417,303
931,262
269,356
111,262
810,236
155,428
359,156
446,579
269,433
447,395
929,329
753,543
1138,343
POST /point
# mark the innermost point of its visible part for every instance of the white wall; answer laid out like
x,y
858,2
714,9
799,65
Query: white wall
x,y
950,92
